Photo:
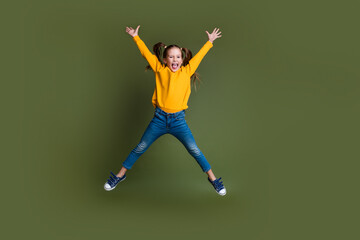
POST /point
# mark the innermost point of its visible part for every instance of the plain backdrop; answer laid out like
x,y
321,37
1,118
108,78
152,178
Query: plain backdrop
x,y
276,116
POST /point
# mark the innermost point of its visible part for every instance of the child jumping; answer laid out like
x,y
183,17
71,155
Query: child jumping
x,y
171,94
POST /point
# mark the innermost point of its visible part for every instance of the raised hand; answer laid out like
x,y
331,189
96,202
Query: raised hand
x,y
214,35
132,32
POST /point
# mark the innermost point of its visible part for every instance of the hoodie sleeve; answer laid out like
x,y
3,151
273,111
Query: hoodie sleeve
x,y
153,61
195,61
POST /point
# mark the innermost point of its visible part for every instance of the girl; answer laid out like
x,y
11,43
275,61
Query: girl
x,y
171,94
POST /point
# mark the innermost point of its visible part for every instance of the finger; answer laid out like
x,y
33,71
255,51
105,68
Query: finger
x,y
137,27
207,32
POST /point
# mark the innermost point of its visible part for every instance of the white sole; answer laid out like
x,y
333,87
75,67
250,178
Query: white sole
x,y
222,194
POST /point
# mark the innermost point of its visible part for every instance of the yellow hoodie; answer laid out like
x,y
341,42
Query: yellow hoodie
x,y
172,89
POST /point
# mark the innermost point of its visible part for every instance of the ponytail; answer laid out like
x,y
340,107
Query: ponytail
x,y
157,50
195,78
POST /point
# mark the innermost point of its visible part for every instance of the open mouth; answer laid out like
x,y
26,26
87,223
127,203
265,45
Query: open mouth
x,y
174,65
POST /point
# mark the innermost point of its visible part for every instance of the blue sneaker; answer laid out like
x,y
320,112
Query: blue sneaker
x,y
218,185
113,181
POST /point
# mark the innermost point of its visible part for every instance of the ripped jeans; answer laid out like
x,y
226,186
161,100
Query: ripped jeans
x,y
174,124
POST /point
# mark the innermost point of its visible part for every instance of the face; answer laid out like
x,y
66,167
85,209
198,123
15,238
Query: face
x,y
173,59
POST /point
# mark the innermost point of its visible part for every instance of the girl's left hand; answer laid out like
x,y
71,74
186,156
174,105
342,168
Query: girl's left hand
x,y
132,32
214,35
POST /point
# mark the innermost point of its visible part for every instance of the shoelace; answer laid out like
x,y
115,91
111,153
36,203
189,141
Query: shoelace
x,y
113,179
218,184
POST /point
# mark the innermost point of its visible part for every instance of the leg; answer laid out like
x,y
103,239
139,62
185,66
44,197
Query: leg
x,y
122,172
183,134
211,175
152,132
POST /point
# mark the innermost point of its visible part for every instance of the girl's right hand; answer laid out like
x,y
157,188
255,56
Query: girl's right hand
x,y
132,32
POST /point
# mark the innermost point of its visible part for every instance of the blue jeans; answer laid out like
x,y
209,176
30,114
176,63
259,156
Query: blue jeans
x,y
174,124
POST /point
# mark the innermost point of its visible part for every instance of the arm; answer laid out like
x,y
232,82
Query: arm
x,y
195,61
145,52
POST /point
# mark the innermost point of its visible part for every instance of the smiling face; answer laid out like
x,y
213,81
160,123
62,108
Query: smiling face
x,y
173,59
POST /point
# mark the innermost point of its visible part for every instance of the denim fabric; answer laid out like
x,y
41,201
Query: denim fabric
x,y
174,124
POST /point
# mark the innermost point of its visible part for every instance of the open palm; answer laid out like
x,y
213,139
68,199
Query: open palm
x,y
132,32
214,35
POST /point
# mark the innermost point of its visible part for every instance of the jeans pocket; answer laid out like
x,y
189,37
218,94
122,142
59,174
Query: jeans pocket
x,y
157,115
180,117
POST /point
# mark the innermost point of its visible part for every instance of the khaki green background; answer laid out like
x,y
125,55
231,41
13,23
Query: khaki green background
x,y
276,115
